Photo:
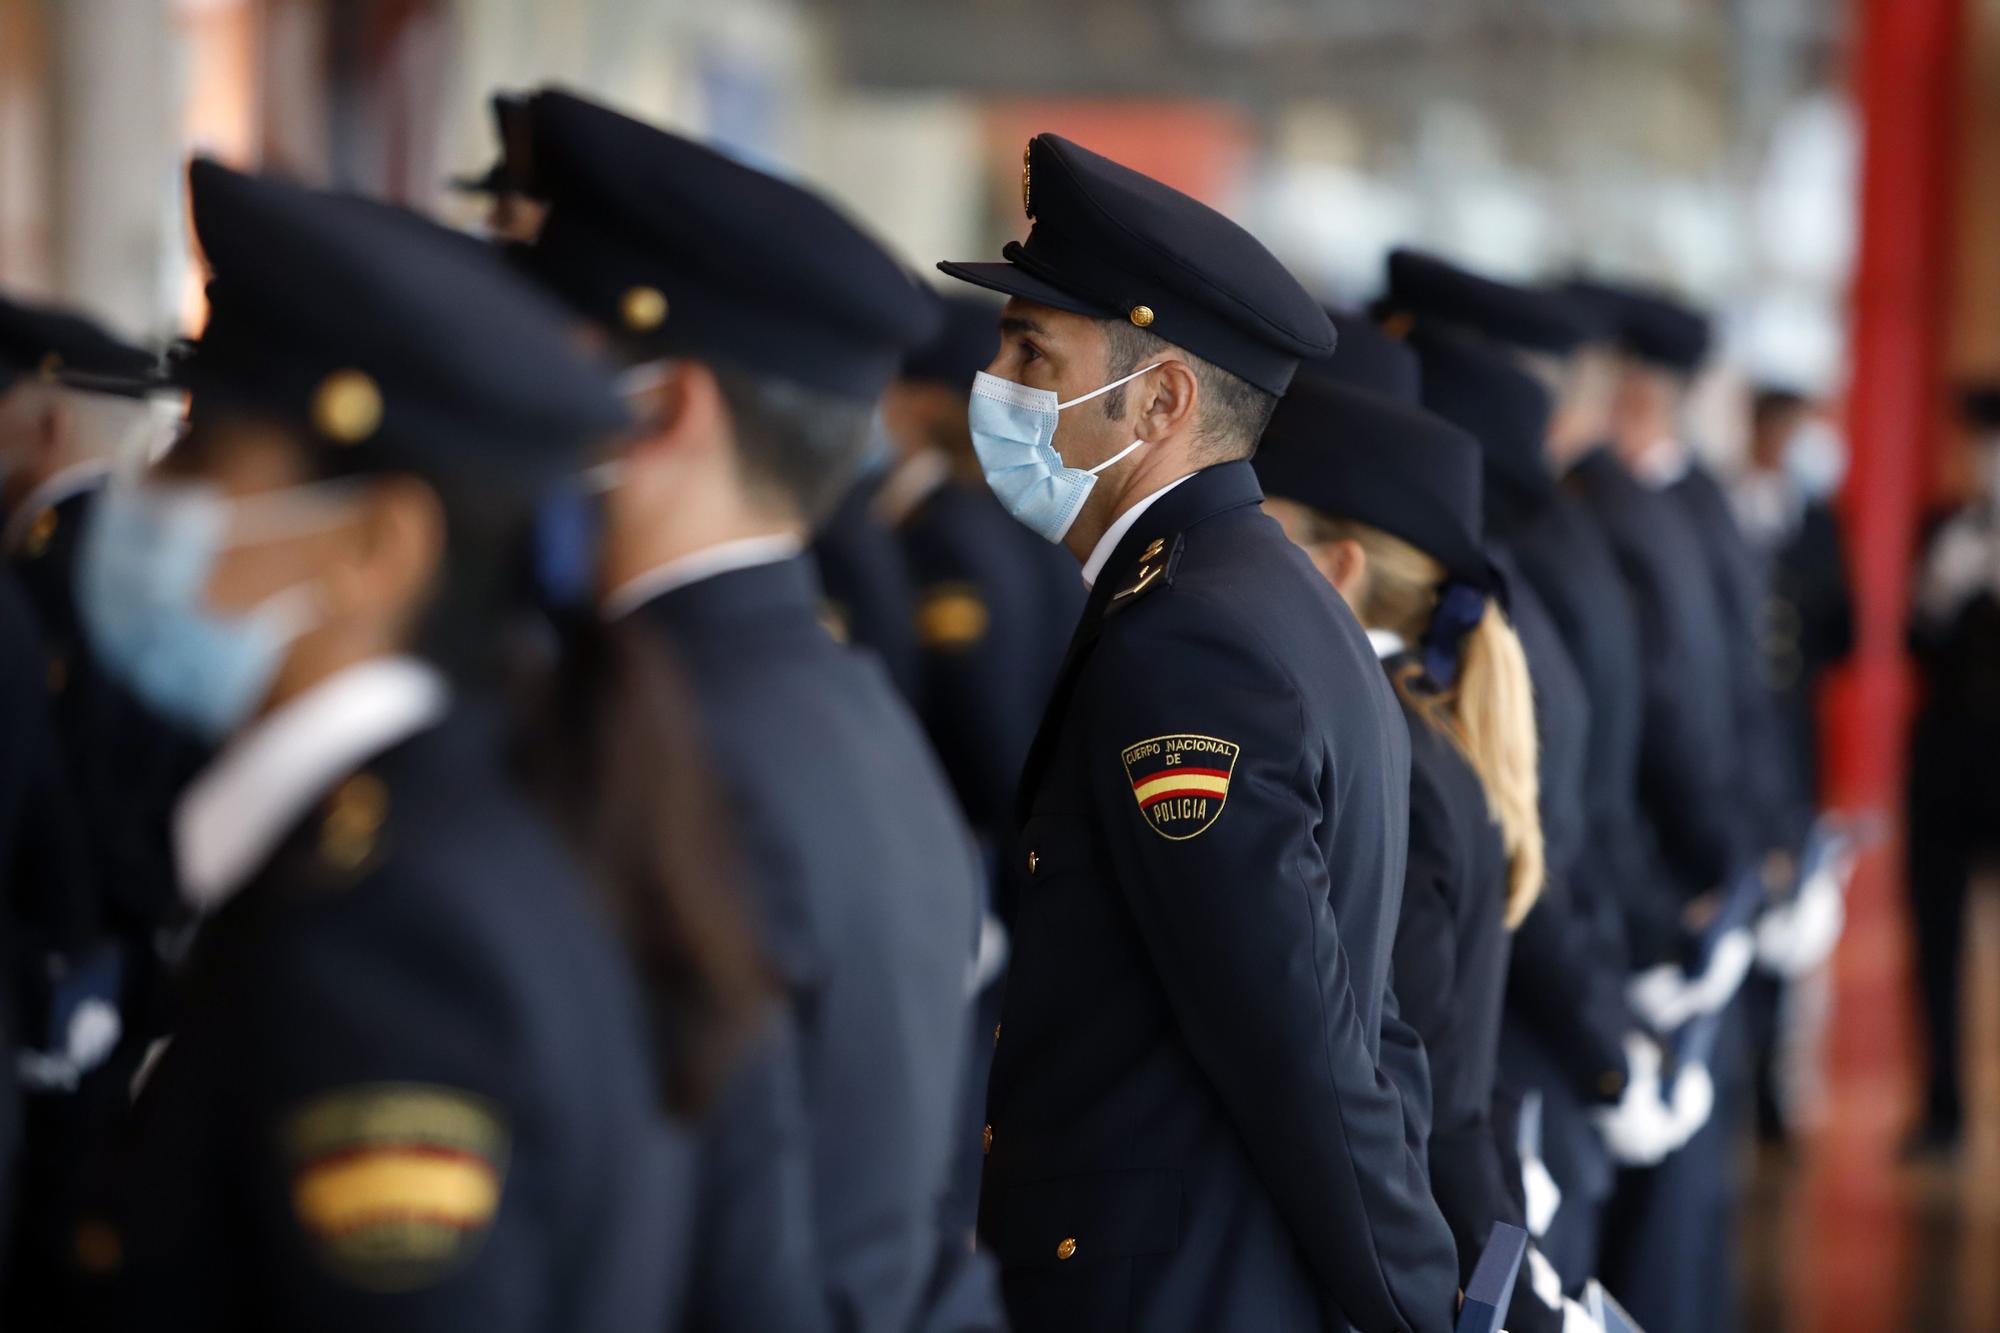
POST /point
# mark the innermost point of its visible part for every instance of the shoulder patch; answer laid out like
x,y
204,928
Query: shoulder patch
x,y
395,1184
1181,782
1157,564
951,616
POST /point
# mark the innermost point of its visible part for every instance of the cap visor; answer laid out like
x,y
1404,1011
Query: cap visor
x,y
1001,276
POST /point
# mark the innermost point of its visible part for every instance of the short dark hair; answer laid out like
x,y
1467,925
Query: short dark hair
x,y
797,445
1234,411
1771,401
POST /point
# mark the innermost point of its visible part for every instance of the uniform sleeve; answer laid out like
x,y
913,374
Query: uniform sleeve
x,y
755,1263
1209,801
398,1169
1569,993
1406,1062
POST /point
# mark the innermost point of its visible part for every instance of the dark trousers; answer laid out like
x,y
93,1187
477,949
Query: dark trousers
x,y
1670,1232
1950,829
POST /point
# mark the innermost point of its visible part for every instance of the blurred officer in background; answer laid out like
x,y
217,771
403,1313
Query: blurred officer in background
x,y
1385,499
760,327
994,607
1784,502
416,1082
868,588
95,890
1213,815
1678,1219
516,204
1529,393
1954,784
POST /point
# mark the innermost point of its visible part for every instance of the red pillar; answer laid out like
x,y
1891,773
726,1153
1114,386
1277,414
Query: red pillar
x,y
1907,85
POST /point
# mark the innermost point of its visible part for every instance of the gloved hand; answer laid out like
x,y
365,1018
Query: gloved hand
x,y
1542,1194
1795,939
1576,1319
1639,1130
1543,1280
1693,1101
1666,998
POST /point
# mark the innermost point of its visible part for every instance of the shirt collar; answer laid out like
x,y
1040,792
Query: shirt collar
x,y
1101,553
911,482
1663,465
57,487
722,558
1385,643
237,810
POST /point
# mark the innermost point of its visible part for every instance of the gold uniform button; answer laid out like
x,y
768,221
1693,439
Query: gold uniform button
x,y
1034,862
40,533
99,1249
1141,315
996,1034
1066,1247
643,308
986,1139
347,406
1611,1083
58,675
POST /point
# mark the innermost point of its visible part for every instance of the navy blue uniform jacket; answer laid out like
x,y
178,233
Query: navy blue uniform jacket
x,y
415,1010
866,892
1190,1129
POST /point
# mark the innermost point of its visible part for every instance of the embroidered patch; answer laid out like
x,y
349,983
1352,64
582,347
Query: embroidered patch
x,y
1180,782
396,1183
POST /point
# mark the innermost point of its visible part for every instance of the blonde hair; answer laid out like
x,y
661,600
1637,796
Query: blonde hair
x,y
1487,712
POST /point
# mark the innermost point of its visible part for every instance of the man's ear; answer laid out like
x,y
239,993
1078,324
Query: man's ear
x,y
397,546
681,410
1168,400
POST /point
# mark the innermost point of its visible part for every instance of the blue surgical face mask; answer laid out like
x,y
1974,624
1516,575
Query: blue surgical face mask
x,y
1014,432
142,583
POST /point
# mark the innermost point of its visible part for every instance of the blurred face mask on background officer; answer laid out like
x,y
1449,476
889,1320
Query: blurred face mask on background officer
x,y
1014,414
212,582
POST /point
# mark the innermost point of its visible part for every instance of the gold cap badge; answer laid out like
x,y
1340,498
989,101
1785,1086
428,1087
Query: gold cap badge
x,y
49,367
1141,315
347,407
643,308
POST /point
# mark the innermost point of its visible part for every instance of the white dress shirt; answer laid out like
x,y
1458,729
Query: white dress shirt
x,y
237,810
1385,643
722,558
1121,525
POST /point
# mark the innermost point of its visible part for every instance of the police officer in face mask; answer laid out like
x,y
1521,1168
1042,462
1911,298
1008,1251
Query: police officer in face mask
x,y
452,967
1213,816
762,325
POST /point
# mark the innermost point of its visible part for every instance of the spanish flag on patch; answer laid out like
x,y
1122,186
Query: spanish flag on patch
x,y
1180,782
396,1183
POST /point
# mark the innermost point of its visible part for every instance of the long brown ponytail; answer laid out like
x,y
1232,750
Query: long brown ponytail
x,y
1487,711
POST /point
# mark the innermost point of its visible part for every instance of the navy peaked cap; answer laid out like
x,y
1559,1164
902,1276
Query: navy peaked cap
x,y
1114,244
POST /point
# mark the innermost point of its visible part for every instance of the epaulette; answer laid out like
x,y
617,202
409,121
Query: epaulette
x,y
1156,568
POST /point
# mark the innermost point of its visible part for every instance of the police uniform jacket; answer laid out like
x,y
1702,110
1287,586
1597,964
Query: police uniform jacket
x,y
867,593
412,1087
1189,1128
1451,970
1741,579
1687,745
994,608
866,889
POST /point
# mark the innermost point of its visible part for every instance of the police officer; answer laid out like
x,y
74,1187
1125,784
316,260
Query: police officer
x,y
1213,814
417,1082
93,885
1526,392
995,603
1385,498
1953,783
761,326
1693,781
868,589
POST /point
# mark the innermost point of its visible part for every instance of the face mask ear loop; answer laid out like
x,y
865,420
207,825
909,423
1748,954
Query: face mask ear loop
x,y
1084,398
1114,458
